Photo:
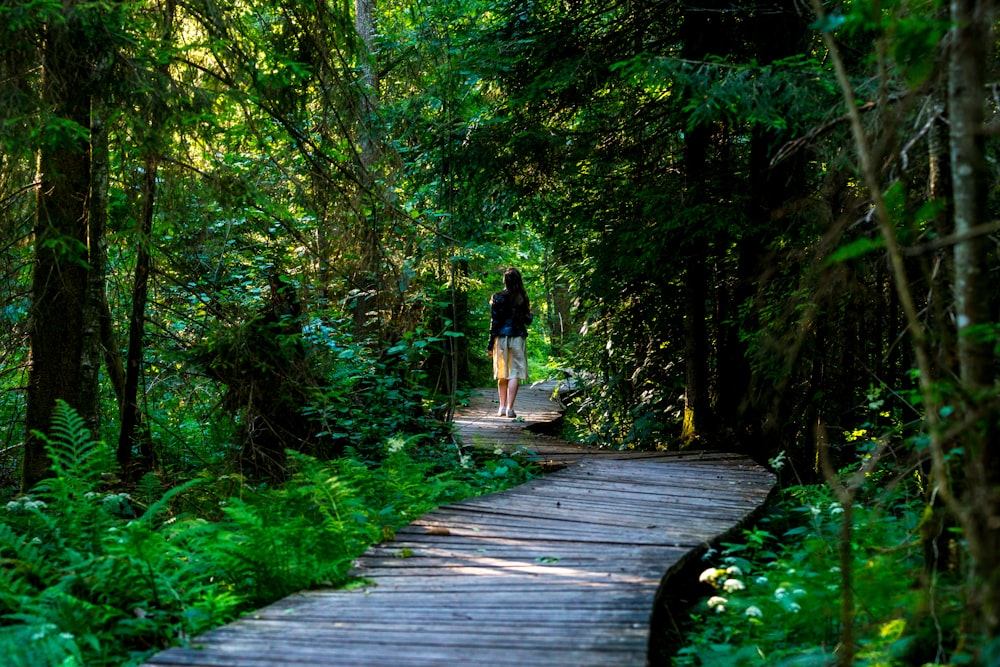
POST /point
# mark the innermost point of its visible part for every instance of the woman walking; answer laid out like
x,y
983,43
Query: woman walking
x,y
510,315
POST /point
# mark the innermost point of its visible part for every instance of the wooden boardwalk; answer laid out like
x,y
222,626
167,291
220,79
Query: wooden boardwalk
x,y
561,571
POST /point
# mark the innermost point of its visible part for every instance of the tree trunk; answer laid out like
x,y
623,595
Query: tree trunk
x,y
60,278
935,534
366,280
971,46
130,435
697,403
96,348
941,269
133,438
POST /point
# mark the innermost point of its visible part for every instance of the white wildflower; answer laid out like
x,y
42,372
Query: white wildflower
x,y
798,592
25,504
761,581
794,607
710,575
395,445
753,612
734,571
717,601
815,510
498,450
733,585
465,461
836,508
780,593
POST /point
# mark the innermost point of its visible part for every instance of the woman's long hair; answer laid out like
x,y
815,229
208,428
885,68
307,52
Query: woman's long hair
x,y
514,285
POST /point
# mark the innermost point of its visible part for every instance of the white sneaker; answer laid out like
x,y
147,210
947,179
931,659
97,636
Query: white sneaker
x,y
502,412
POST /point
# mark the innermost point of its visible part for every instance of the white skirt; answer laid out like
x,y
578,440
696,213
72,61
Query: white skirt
x,y
510,361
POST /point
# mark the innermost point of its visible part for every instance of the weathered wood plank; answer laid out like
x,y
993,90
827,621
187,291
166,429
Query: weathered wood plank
x,y
373,654
560,571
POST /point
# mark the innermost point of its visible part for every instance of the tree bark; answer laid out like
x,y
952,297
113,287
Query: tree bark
x,y
971,45
941,269
61,277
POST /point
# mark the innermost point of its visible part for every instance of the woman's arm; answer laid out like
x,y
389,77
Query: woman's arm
x,y
496,321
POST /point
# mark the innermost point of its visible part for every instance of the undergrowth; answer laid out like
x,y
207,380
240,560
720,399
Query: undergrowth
x,y
774,597
90,576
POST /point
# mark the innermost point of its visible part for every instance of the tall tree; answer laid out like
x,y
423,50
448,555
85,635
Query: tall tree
x,y
973,41
131,437
60,281
368,209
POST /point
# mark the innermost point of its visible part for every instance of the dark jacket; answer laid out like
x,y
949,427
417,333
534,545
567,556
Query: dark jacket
x,y
505,319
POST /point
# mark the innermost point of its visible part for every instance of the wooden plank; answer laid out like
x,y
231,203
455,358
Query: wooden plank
x,y
599,508
434,614
690,535
249,653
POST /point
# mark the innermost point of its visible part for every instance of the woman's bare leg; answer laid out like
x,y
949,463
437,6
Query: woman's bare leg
x,y
511,395
502,392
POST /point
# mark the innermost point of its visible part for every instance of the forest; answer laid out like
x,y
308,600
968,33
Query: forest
x,y
249,247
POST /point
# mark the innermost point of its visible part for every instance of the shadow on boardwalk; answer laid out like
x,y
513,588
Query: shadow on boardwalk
x,y
561,571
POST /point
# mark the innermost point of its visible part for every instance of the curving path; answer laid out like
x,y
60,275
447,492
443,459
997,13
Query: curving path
x,y
562,571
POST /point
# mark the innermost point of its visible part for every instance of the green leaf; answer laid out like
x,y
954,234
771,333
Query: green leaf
x,y
855,249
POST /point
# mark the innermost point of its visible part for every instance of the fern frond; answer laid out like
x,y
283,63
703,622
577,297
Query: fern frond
x,y
72,617
40,644
24,562
160,505
77,460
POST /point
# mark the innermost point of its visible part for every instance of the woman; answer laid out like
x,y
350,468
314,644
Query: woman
x,y
510,315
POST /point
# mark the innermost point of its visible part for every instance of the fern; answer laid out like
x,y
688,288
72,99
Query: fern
x,y
298,536
88,583
78,516
39,645
77,461
336,499
26,567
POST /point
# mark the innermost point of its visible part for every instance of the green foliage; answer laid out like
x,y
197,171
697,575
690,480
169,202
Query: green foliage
x,y
776,594
96,577
89,578
912,30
